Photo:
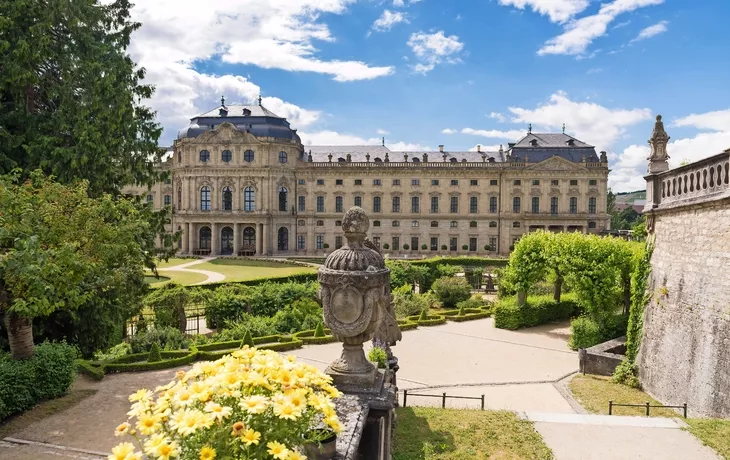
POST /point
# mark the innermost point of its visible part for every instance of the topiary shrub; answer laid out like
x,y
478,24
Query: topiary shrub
x,y
386,246
406,246
326,246
444,247
584,333
465,247
536,310
258,326
319,331
451,290
424,246
423,316
154,356
247,339
487,247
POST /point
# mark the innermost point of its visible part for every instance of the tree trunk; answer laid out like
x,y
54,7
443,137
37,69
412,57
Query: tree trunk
x,y
558,288
20,335
521,297
182,320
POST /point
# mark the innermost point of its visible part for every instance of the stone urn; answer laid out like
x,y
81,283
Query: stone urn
x,y
354,290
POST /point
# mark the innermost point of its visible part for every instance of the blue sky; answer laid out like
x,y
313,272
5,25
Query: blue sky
x,y
459,73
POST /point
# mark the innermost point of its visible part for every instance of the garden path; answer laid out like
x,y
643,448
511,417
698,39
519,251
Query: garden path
x,y
213,277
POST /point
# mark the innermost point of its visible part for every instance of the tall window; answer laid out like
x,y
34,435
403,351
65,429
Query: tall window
x,y
338,242
472,244
248,156
167,200
492,243
396,204
205,199
249,199
473,204
415,204
150,198
339,206
320,204
358,201
226,156
319,241
535,204
554,205
227,199
283,198
453,244
283,239
454,204
434,204
573,205
179,198
377,204
395,223
204,241
414,243
301,242
516,204
434,243
395,243
204,156
282,157
493,204
302,203
592,205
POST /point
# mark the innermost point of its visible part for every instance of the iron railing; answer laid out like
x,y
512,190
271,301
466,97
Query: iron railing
x,y
443,397
647,406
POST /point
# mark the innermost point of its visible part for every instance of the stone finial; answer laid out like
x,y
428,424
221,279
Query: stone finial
x,y
387,159
259,100
383,141
405,157
329,157
425,157
309,156
367,157
658,143
604,157
223,101
563,128
349,158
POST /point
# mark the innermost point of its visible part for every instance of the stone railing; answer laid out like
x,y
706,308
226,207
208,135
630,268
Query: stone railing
x,y
558,215
435,164
699,181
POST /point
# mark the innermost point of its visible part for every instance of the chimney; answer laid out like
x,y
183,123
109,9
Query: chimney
x,y
441,148
479,148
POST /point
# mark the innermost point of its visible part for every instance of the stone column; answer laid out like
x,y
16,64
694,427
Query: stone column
x,y
236,238
214,249
191,238
192,204
259,239
265,239
185,238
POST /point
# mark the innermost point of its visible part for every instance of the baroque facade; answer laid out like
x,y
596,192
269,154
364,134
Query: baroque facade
x,y
242,183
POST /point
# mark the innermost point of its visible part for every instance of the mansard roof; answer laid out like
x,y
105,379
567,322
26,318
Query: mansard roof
x,y
537,147
358,153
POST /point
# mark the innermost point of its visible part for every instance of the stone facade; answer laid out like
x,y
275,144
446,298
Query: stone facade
x,y
686,336
254,189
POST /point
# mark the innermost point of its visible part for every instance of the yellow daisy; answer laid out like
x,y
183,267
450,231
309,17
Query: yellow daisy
x,y
207,453
251,437
122,451
277,450
122,429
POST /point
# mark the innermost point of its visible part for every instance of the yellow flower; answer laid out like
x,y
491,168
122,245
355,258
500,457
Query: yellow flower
x,y
167,451
122,429
148,424
217,412
207,453
122,451
255,404
140,395
277,450
294,455
251,437
287,411
184,397
188,421
334,423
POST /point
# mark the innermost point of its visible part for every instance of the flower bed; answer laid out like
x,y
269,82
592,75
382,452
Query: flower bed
x,y
308,337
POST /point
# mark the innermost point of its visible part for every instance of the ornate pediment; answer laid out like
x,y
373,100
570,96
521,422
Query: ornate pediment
x,y
225,133
283,181
556,163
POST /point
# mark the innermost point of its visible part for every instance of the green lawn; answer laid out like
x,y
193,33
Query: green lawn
x,y
594,392
450,434
172,262
241,270
184,278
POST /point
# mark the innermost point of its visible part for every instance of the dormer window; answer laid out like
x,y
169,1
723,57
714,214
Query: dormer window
x,y
341,160
223,112
415,160
246,112
570,142
453,160
533,142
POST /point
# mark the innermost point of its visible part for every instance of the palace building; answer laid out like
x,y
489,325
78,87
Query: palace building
x,y
242,183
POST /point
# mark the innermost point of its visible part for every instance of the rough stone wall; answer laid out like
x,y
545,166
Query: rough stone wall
x,y
685,349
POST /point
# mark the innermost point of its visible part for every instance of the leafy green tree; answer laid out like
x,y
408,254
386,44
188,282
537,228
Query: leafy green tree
x,y
451,290
71,97
60,249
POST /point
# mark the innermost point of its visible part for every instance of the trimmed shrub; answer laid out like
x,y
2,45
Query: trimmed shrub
x,y
114,352
386,246
451,290
138,363
48,374
427,320
537,310
406,303
89,369
378,356
310,337
587,332
406,325
247,339
168,338
154,356
465,247
319,331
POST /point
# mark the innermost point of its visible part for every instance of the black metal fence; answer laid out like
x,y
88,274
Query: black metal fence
x,y
194,321
443,397
647,406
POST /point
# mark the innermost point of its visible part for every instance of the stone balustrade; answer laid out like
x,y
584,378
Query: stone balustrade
x,y
436,164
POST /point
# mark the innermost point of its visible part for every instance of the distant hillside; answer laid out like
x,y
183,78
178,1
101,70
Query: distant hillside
x,y
630,197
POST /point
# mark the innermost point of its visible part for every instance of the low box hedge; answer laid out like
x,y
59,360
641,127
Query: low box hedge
x,y
308,337
431,320
406,325
297,277
467,311
126,366
536,310
469,317
91,369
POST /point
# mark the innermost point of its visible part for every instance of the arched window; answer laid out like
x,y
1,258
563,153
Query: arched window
x,y
179,198
415,160
473,224
434,224
283,193
320,223
395,223
282,157
453,224
301,222
179,242
227,199
227,156
414,223
249,239
249,199
591,225
167,199
226,241
205,198
378,160
338,223
515,225
204,241
204,156
248,156
453,160
341,160
283,239
493,224
376,223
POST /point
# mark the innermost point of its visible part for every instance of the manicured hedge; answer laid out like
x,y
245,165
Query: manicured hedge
x,y
169,359
297,278
537,310
431,320
95,370
48,374
406,325
462,261
470,316
308,337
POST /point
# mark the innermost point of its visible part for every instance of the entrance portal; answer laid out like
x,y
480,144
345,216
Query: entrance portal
x,y
249,242
226,241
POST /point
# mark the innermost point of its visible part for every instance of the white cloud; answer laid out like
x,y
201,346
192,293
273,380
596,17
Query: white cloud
x,y
497,116
485,148
648,32
630,165
335,138
580,33
449,131
433,49
388,19
382,132
588,121
557,10
398,3
177,34
512,135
